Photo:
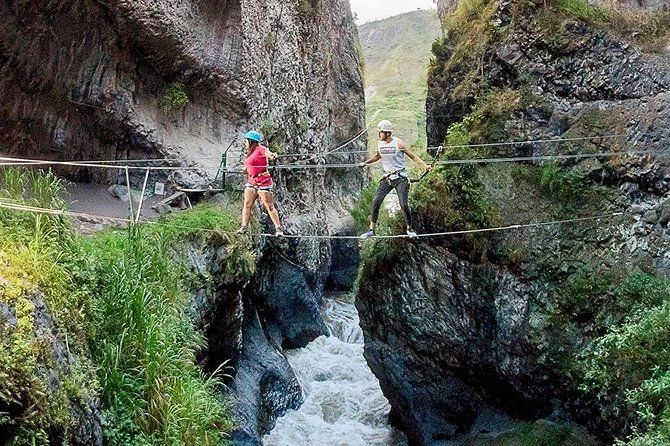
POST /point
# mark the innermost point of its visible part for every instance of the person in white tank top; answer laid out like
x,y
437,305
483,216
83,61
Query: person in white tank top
x,y
392,153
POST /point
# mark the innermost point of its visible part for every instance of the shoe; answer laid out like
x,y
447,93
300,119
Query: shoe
x,y
411,233
368,234
279,232
243,230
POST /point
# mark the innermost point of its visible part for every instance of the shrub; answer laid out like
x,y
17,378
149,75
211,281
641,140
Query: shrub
x,y
631,363
175,97
452,198
581,9
307,7
34,249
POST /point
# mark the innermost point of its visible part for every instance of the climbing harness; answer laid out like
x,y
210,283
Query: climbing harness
x,y
388,175
261,174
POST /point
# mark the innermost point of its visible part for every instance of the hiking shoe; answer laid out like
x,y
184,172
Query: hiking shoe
x,y
368,234
243,230
411,233
279,232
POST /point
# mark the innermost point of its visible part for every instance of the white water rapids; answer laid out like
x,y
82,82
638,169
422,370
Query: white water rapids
x,y
344,405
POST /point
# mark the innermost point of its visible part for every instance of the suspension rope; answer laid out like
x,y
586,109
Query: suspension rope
x,y
61,212
7,161
530,141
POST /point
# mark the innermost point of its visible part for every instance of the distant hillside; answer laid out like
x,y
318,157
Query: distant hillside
x,y
397,51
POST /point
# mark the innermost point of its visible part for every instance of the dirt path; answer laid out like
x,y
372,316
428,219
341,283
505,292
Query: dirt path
x,y
96,200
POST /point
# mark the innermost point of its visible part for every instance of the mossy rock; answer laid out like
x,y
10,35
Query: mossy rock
x,y
540,433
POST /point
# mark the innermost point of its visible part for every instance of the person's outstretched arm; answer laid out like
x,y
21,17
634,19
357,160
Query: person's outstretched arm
x,y
406,150
373,159
269,154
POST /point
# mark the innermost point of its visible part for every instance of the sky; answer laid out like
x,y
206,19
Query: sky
x,y
369,10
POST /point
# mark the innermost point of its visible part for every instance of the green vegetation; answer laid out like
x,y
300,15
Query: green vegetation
x,y
397,52
649,29
270,41
118,302
379,255
626,314
271,132
145,347
31,269
175,96
541,433
580,9
627,364
307,7
452,198
630,365
470,26
556,183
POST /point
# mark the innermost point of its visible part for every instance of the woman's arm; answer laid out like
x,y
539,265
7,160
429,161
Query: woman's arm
x,y
373,159
406,150
269,154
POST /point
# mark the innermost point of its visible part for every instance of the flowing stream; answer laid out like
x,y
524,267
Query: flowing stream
x,y
344,405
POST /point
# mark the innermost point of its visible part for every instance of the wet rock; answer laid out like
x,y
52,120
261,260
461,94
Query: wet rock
x,y
345,260
7,316
664,212
650,217
121,192
542,432
265,386
287,301
163,209
460,335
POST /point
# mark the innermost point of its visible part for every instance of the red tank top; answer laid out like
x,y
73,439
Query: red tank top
x,y
257,168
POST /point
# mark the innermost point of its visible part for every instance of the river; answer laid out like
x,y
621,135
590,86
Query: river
x,y
344,405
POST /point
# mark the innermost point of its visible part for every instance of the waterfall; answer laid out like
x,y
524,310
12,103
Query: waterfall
x,y
343,402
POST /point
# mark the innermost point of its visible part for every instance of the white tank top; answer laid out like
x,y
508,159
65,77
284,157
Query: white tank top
x,y
393,158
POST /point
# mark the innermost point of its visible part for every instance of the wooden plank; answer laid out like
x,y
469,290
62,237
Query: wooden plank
x,y
169,199
195,191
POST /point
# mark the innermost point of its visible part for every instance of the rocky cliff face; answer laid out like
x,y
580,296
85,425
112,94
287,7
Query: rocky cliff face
x,y
92,80
461,328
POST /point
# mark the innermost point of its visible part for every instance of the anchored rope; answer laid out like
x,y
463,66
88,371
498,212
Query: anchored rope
x,y
61,212
531,141
7,161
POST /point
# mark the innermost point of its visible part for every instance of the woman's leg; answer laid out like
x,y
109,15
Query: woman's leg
x,y
383,190
402,188
266,199
250,196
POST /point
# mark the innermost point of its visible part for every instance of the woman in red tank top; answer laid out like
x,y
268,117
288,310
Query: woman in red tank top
x,y
259,182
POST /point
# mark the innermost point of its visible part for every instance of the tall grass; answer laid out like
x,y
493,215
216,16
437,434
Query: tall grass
x,y
118,296
146,347
33,248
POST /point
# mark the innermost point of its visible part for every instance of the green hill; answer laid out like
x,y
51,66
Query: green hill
x,y
397,51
